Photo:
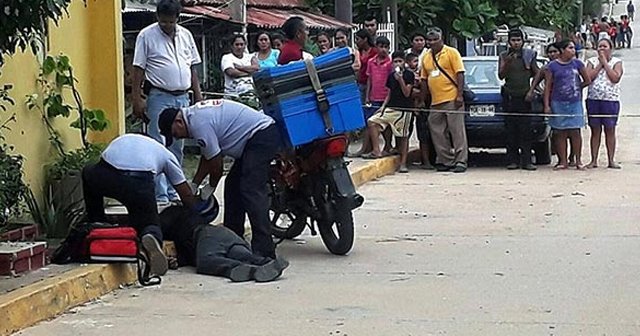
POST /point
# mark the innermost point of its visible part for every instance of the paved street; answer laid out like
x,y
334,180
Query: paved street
x,y
489,252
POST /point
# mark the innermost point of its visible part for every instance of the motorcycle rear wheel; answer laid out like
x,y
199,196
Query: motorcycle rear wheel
x,y
338,236
336,222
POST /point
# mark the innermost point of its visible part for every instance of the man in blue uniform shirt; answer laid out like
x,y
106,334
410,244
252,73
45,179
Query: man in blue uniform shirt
x,y
126,172
224,127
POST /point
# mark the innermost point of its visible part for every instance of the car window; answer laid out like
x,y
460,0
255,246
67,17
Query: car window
x,y
481,74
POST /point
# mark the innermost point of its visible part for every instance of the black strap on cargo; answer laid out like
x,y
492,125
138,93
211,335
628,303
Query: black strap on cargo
x,y
321,96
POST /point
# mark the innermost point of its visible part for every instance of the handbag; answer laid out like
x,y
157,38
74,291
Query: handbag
x,y
104,243
467,94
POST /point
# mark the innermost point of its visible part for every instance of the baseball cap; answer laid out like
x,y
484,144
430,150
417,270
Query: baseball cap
x,y
165,122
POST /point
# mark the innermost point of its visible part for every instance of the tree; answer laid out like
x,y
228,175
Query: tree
x,y
23,22
471,18
464,18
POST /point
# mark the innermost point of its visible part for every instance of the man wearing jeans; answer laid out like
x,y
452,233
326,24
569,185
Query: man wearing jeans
x,y
517,66
165,58
442,74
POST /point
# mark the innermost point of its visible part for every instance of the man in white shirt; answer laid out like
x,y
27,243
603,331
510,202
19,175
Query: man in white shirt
x,y
225,127
165,58
126,172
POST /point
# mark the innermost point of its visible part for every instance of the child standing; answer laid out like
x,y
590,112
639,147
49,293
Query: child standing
x,y
422,128
564,80
391,114
378,69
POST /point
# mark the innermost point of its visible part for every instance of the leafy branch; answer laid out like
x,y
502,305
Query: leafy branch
x,y
56,77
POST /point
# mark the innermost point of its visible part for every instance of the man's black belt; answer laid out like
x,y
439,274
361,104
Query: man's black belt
x,y
146,88
132,173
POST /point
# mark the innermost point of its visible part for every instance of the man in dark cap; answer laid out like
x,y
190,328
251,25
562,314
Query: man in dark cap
x,y
225,127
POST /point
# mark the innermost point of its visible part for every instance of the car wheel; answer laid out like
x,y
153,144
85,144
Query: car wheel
x,y
542,152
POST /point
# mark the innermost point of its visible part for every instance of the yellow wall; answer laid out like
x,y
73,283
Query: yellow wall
x,y
91,37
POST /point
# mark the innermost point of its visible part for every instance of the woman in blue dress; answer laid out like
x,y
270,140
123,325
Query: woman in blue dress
x,y
266,57
565,79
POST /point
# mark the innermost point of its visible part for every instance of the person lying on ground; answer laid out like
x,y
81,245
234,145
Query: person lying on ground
x,y
216,250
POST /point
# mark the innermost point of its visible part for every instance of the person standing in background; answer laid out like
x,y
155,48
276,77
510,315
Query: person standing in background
x,y
342,41
371,25
238,66
323,40
165,59
563,98
442,74
603,99
266,57
517,66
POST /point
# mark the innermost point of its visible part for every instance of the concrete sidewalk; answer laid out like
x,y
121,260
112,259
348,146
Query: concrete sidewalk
x,y
41,296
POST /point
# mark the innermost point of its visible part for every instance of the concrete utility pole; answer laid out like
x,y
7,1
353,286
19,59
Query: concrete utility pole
x,y
238,12
580,13
344,10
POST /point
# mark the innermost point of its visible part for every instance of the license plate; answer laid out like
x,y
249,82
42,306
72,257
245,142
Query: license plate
x,y
482,111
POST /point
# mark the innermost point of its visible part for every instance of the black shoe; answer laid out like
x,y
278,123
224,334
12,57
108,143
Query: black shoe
x,y
530,167
270,271
242,273
158,263
443,168
460,167
512,166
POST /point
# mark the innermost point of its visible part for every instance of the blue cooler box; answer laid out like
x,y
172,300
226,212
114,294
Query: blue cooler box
x,y
296,109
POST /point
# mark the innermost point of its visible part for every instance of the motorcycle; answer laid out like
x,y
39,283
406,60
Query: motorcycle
x,y
312,187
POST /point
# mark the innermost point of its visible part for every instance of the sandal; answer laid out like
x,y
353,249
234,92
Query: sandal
x,y
560,167
370,156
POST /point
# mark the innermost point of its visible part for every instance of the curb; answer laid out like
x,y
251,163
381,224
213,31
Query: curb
x,y
46,299
42,300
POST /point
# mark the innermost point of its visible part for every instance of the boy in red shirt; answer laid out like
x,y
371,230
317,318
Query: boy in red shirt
x,y
378,70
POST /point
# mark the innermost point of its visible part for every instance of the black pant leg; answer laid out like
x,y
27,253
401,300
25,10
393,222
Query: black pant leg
x,y
211,255
511,130
244,254
139,197
524,138
136,193
256,159
234,211
92,179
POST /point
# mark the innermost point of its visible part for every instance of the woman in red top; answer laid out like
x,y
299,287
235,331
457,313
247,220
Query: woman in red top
x,y
367,49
